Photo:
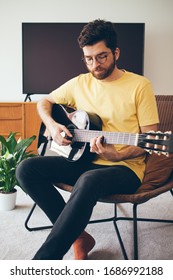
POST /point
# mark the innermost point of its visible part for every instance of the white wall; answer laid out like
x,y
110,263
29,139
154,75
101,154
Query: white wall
x,y
156,14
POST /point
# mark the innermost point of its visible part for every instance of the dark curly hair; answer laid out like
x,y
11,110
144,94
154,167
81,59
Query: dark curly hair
x,y
96,31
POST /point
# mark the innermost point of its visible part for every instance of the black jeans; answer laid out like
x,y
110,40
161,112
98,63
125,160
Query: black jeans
x,y
90,181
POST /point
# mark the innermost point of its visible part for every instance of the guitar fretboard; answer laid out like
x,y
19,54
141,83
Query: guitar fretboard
x,y
125,138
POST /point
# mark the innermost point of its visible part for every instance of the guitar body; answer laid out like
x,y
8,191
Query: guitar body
x,y
72,120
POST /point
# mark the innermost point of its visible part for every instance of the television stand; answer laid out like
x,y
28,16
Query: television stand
x,y
28,97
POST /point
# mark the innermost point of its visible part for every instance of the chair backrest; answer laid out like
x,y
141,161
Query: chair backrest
x,y
165,109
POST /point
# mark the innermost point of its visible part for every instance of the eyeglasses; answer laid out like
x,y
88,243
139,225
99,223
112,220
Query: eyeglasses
x,y
100,58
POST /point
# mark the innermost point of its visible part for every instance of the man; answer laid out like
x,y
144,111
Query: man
x,y
125,102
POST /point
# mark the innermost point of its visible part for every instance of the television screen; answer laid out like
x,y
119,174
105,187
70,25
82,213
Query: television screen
x,y
51,55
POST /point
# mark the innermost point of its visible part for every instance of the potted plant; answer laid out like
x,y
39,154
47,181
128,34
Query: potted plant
x,y
12,152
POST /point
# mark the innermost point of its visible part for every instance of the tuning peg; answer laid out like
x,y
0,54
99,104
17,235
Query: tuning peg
x,y
166,154
148,151
147,145
157,152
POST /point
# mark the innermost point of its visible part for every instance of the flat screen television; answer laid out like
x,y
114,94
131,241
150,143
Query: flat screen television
x,y
51,55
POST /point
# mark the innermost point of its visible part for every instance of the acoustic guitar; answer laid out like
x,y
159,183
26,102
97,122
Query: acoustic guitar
x,y
84,126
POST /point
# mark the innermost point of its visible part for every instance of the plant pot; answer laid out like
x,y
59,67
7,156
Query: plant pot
x,y
8,200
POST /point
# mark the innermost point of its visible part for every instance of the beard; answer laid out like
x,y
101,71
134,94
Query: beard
x,y
102,73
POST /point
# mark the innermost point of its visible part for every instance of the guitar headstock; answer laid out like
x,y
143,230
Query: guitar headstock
x,y
157,142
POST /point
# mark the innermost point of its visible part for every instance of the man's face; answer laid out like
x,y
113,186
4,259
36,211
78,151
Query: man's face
x,y
99,60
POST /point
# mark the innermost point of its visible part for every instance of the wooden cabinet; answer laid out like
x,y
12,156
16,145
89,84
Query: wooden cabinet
x,y
21,117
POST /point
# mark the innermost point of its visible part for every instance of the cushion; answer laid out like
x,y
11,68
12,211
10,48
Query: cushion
x,y
158,170
157,180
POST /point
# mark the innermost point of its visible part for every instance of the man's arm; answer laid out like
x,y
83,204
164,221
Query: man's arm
x,y
55,129
109,152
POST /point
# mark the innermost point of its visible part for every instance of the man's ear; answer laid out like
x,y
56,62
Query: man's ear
x,y
117,53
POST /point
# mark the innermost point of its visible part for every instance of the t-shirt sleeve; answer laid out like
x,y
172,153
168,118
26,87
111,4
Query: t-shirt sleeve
x,y
146,106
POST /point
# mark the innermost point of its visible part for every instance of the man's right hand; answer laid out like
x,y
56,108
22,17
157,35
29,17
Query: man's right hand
x,y
60,134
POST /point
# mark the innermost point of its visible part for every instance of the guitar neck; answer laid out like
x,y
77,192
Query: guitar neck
x,y
124,138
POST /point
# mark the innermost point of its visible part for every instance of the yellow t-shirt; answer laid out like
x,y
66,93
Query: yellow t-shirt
x,y
123,106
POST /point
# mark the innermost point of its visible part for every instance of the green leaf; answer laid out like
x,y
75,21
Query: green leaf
x,y
24,144
3,144
11,142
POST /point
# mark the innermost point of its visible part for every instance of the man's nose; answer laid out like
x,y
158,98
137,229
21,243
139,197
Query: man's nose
x,y
95,62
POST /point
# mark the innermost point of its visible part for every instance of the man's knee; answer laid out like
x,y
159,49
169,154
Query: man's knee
x,y
88,181
24,168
